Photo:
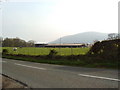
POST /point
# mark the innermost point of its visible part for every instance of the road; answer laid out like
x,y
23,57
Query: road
x,y
37,75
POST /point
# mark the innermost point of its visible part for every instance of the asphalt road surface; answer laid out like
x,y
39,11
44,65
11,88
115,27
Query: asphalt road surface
x,y
37,75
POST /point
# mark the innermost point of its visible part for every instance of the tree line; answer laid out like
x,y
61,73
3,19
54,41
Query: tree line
x,y
16,42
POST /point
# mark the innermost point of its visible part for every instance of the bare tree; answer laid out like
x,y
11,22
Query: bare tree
x,y
113,36
31,43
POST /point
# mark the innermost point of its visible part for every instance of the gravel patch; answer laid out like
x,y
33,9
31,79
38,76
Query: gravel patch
x,y
8,82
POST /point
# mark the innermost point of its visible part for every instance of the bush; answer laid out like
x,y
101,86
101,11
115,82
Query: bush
x,y
106,51
4,51
52,53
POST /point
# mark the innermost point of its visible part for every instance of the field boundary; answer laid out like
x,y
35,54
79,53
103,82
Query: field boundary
x,y
82,60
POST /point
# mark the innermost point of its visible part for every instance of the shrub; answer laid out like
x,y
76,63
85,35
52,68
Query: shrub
x,y
52,53
107,51
4,51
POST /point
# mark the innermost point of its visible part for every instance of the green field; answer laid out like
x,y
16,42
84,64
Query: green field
x,y
45,51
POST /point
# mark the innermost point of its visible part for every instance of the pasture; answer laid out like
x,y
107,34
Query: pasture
x,y
45,51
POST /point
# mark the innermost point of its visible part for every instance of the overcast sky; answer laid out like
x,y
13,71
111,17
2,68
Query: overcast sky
x,y
47,20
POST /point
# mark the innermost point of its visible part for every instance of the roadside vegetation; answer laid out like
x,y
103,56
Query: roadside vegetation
x,y
80,60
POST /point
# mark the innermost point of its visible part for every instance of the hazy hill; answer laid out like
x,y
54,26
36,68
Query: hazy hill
x,y
86,37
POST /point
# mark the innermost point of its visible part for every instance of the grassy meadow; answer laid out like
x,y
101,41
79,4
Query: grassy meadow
x,y
45,51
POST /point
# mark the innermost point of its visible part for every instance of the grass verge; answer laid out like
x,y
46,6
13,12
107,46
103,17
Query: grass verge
x,y
82,61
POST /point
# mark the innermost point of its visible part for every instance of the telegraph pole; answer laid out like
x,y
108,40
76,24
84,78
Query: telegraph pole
x,y
60,46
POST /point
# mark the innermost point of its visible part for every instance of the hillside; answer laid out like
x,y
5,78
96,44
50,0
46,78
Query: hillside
x,y
86,37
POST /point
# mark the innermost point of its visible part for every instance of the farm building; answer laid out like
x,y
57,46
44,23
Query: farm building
x,y
60,45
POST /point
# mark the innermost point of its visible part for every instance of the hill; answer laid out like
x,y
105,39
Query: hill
x,y
86,37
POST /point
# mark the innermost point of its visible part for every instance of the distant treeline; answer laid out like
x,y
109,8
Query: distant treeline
x,y
16,42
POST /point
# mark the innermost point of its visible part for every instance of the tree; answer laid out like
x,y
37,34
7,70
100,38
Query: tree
x,y
1,40
17,42
113,36
7,42
31,43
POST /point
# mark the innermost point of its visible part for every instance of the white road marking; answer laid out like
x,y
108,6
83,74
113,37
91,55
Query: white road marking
x,y
113,79
29,66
